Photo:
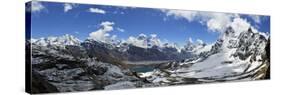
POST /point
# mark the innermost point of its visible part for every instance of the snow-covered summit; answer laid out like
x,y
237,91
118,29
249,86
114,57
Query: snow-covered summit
x,y
144,41
57,41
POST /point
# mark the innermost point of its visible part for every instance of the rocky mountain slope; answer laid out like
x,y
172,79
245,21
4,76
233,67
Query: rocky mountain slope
x,y
62,65
237,55
65,63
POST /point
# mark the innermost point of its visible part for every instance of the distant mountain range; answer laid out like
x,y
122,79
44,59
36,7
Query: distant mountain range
x,y
141,48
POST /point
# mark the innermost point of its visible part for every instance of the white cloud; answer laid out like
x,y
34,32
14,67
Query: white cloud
x,y
190,40
36,6
218,21
68,7
188,15
256,18
153,35
107,25
96,10
142,35
137,42
120,29
199,41
102,34
113,37
240,25
215,22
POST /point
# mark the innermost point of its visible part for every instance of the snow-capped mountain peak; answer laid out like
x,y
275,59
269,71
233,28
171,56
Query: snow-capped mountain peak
x,y
57,41
194,46
153,40
142,37
144,41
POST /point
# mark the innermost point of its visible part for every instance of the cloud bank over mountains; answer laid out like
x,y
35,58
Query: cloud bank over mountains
x,y
214,21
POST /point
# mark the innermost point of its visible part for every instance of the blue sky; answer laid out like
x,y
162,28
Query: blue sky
x,y
56,19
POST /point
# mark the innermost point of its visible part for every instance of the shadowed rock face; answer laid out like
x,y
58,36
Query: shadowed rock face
x,y
59,69
108,53
41,85
267,49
